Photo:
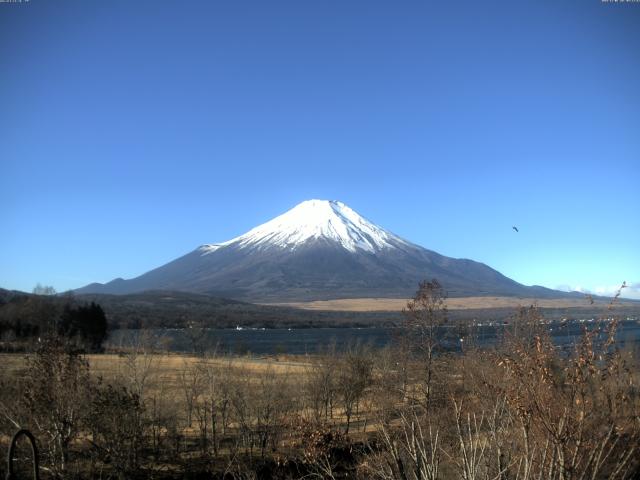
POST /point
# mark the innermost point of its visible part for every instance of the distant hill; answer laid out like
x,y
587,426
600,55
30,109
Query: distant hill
x,y
320,250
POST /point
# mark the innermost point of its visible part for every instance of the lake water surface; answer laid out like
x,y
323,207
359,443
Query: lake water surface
x,y
313,340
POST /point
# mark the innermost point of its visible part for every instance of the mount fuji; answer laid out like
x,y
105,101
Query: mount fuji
x,y
319,250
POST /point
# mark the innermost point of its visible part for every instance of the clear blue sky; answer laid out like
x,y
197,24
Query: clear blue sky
x,y
133,131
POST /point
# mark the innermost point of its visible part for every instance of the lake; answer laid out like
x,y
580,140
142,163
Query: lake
x,y
312,340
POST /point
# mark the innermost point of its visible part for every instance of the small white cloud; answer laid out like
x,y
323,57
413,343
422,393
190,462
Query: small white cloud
x,y
581,289
631,291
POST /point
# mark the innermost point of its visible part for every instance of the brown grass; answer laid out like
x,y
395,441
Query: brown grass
x,y
463,303
168,367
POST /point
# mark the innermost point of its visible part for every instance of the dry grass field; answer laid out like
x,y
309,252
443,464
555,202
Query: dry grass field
x,y
165,368
463,303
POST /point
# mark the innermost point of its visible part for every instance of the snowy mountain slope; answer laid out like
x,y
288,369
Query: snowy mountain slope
x,y
313,220
318,250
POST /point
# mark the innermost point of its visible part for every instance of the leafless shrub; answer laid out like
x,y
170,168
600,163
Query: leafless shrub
x,y
56,393
410,449
116,423
353,378
577,414
319,443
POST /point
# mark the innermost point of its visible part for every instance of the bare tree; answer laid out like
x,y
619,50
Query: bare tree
x,y
423,316
191,384
140,362
355,375
213,408
321,383
196,333
44,290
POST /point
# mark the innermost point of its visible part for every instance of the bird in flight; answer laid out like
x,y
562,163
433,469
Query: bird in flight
x,y
516,229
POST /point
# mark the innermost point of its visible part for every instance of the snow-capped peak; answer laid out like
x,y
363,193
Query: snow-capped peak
x,y
316,219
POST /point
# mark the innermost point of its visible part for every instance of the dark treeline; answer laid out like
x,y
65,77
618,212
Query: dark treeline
x,y
179,310
24,319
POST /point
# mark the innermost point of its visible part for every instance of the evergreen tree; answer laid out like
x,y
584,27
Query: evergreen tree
x,y
87,323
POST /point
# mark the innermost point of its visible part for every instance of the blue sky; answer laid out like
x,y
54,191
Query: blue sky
x,y
132,132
